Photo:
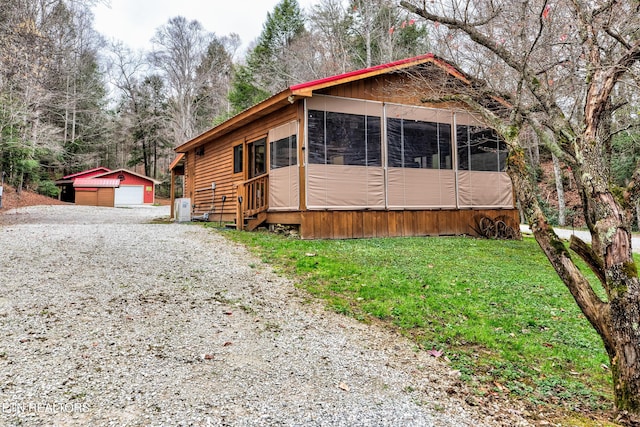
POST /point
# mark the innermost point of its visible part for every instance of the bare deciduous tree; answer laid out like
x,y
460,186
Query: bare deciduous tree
x,y
179,48
564,67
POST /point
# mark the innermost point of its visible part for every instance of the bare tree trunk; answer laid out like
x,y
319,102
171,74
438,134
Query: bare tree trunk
x,y
560,190
66,114
74,111
616,321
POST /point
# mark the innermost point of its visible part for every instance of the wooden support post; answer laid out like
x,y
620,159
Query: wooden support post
x,y
172,193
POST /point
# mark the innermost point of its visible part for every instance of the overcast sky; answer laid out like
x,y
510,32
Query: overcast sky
x,y
134,21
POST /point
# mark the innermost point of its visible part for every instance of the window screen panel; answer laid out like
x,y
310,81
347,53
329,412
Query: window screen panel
x,y
483,149
444,141
418,144
374,141
480,149
344,139
503,152
316,136
394,143
284,152
462,136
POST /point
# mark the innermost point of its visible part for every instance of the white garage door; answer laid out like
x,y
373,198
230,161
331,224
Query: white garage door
x,y
129,195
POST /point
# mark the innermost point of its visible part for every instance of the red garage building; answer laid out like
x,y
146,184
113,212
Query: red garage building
x,y
67,191
133,188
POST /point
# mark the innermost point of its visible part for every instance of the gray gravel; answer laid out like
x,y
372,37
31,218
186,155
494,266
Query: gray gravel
x,y
107,319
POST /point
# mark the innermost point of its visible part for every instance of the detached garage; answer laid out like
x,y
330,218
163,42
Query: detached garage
x,y
67,191
134,189
95,191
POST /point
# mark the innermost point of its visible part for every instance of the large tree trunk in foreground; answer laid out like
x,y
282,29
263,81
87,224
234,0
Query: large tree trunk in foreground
x,y
617,321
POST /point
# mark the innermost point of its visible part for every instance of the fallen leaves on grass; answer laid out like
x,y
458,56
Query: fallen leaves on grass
x,y
435,353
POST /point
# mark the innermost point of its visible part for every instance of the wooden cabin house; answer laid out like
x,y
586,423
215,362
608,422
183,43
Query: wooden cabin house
x,y
355,155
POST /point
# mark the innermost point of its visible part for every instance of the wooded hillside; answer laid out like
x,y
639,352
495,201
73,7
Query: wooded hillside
x,y
71,100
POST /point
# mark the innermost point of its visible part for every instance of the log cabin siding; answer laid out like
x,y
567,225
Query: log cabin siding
x,y
215,164
396,88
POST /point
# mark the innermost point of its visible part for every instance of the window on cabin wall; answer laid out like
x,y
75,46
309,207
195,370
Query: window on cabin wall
x,y
237,159
418,144
344,139
284,152
480,149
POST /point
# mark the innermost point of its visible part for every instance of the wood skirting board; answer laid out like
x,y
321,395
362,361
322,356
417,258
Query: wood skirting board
x,y
387,223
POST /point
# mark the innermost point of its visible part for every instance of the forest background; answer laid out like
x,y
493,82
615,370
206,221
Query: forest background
x,y
72,100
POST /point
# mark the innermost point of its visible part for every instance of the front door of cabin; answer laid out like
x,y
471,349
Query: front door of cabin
x,y
257,158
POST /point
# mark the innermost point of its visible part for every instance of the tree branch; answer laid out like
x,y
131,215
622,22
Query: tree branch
x,y
471,31
595,310
617,37
589,256
561,127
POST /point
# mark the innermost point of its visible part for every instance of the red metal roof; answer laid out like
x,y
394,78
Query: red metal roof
x,y
117,171
93,171
378,69
96,183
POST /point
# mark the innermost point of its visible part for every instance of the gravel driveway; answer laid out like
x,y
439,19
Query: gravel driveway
x,y
107,319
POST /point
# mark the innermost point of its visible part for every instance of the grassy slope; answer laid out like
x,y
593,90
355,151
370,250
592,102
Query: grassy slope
x,y
496,309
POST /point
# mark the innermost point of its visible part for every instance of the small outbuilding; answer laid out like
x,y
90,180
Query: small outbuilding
x,y
134,189
67,191
95,191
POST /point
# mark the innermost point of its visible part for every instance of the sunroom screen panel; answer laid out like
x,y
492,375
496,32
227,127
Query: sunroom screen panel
x,y
484,190
345,187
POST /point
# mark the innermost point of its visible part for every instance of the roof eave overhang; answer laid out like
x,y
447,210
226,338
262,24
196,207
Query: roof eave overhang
x,y
177,162
261,109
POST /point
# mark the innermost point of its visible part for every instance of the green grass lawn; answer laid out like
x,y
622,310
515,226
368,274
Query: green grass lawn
x,y
496,309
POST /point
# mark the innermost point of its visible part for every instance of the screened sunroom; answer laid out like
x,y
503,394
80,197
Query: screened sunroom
x,y
363,154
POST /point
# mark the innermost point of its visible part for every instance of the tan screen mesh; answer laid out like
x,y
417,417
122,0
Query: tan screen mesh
x,y
344,187
484,189
421,188
284,189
